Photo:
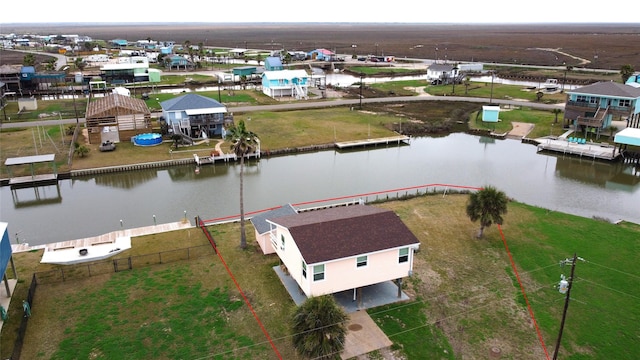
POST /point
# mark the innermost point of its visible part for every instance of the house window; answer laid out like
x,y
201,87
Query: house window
x,y
361,261
403,255
594,100
581,98
282,242
318,272
304,269
624,102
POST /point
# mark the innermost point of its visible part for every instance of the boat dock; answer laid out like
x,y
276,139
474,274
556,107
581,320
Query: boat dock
x,y
97,247
33,180
400,139
602,151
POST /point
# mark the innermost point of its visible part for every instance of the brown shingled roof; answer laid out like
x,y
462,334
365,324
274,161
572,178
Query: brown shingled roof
x,y
340,232
116,104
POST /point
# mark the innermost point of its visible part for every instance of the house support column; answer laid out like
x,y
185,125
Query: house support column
x,y
399,285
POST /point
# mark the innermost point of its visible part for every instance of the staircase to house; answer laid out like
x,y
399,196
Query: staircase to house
x,y
185,139
299,92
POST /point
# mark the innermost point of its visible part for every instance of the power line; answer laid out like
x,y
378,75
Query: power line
x,y
609,288
616,270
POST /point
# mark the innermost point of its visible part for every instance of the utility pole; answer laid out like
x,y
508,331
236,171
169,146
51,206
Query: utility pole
x,y
361,84
566,302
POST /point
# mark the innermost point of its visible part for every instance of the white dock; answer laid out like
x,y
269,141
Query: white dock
x,y
98,247
400,139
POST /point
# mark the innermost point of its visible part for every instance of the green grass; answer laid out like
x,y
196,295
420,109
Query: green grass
x,y
408,327
238,97
466,296
603,314
189,313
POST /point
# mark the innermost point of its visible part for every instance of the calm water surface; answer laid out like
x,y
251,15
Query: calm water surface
x,y
90,206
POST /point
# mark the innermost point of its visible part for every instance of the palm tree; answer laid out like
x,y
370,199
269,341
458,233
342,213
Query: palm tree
x,y
319,328
556,112
487,205
626,71
81,150
243,142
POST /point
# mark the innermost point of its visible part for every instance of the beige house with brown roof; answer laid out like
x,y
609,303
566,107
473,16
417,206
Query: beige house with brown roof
x,y
343,248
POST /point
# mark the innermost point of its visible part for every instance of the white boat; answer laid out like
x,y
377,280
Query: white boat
x,y
550,85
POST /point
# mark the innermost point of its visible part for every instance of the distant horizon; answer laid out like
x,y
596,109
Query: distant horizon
x,y
141,23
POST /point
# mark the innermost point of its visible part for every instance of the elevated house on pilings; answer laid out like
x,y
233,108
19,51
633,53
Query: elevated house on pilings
x,y
116,117
196,117
591,109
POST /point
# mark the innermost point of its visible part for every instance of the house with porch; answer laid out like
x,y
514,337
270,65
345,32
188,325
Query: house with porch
x,y
273,63
343,248
292,83
592,108
195,116
321,55
177,62
262,228
442,72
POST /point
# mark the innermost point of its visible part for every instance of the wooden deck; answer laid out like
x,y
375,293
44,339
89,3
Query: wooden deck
x,y
589,150
108,238
35,180
400,139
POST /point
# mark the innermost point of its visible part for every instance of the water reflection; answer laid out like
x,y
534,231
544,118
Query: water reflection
x,y
617,175
123,180
36,196
98,203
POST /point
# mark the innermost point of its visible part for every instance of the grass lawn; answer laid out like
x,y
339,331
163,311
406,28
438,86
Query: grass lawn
x,y
466,299
277,130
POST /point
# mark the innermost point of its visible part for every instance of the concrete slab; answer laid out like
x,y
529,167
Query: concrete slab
x,y
363,336
371,296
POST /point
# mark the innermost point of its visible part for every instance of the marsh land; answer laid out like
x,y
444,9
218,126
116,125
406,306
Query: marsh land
x,y
580,45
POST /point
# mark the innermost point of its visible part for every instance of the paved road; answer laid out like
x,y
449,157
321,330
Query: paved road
x,y
320,104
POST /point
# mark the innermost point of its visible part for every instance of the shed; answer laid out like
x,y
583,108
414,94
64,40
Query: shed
x,y
116,117
490,113
628,136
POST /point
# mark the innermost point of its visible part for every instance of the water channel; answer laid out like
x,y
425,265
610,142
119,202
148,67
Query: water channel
x,y
93,205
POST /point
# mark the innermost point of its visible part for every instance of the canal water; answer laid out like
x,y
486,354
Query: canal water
x,y
93,205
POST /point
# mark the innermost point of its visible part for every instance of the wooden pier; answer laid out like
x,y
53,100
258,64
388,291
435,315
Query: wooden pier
x,y
400,139
591,150
34,179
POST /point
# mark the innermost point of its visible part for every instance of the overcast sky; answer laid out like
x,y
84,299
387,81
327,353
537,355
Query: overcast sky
x,y
390,11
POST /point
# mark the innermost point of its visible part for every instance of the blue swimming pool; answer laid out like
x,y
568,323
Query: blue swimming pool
x,y
147,139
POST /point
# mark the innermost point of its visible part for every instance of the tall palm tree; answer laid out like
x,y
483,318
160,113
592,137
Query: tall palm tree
x,y
487,205
319,328
243,142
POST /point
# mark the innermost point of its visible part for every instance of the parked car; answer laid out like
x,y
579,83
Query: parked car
x,y
107,146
